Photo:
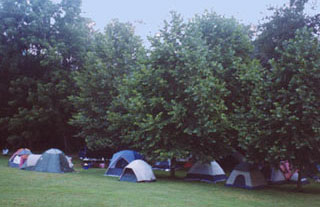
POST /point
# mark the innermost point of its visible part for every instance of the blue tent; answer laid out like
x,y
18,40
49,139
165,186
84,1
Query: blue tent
x,y
121,159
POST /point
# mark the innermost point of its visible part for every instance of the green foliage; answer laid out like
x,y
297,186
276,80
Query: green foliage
x,y
41,43
117,52
178,103
284,120
280,27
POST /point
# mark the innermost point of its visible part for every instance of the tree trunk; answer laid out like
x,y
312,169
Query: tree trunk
x,y
299,184
173,168
65,141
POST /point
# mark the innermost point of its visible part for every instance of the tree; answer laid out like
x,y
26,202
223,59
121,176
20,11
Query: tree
x,y
229,46
116,53
284,122
178,104
41,43
282,26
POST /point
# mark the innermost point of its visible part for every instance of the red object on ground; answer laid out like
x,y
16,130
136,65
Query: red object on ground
x,y
188,164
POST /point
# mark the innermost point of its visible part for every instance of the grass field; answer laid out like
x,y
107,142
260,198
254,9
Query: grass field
x,y
90,188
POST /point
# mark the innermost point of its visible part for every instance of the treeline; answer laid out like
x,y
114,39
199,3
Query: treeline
x,y
206,87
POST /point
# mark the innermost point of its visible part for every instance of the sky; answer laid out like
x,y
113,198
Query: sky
x,y
148,15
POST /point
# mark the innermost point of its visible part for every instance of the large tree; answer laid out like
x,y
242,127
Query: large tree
x,y
117,52
229,45
284,121
178,104
41,44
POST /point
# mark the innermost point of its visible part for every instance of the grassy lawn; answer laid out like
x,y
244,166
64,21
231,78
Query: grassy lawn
x,y
90,188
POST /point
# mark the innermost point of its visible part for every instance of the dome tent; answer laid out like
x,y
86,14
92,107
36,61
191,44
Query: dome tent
x,y
119,160
246,176
53,161
19,157
277,176
285,173
208,172
137,171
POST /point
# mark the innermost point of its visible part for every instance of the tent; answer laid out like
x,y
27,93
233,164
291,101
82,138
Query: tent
x,y
119,160
246,176
137,171
53,161
277,176
294,179
209,172
31,161
286,174
19,157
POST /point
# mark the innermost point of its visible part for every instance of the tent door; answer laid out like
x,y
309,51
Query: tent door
x,y
129,176
121,163
240,181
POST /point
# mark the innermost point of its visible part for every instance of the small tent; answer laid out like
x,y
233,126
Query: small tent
x,y
246,176
277,176
53,161
286,174
19,157
209,172
31,161
137,171
294,179
119,160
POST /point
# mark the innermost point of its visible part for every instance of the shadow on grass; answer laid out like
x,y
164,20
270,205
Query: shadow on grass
x,y
312,189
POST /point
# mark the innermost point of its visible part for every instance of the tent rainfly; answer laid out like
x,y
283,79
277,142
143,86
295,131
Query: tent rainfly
x,y
209,172
138,171
119,160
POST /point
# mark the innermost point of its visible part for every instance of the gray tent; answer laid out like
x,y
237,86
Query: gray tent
x,y
209,172
53,161
137,171
246,176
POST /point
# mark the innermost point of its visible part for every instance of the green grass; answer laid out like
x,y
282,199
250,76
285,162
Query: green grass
x,y
90,188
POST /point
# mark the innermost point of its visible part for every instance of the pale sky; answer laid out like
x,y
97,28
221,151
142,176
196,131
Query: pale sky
x,y
148,15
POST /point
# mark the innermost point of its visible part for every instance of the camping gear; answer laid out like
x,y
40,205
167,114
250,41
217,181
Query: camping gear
x,y
31,161
119,160
5,151
246,176
19,157
286,174
162,165
53,161
137,171
85,166
208,172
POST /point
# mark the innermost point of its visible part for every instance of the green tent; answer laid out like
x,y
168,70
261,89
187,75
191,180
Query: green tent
x,y
53,161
